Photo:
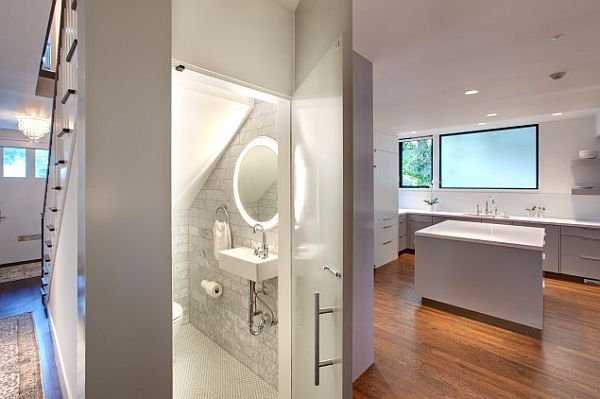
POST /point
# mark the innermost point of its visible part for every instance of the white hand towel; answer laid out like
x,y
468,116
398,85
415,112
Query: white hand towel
x,y
221,237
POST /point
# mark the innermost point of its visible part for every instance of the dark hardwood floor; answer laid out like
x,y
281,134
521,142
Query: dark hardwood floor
x,y
422,352
24,296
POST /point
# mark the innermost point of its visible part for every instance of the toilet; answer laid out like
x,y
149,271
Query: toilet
x,y
177,317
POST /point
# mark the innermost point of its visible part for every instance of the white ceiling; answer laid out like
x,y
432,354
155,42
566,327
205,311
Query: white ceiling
x,y
22,31
427,53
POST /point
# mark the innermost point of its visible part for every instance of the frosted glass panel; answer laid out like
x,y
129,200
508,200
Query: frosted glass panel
x,y
504,158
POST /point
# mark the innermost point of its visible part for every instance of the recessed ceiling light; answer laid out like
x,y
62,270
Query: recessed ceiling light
x,y
482,123
471,92
557,114
492,114
413,132
557,37
557,75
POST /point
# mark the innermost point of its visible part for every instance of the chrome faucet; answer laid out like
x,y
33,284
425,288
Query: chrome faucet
x,y
262,251
491,202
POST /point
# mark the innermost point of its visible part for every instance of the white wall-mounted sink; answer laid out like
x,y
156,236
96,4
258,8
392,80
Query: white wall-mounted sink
x,y
242,262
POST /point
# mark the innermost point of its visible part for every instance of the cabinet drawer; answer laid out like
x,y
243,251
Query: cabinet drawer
x,y
551,245
386,252
402,241
580,231
412,228
385,220
587,246
580,265
495,221
421,218
386,233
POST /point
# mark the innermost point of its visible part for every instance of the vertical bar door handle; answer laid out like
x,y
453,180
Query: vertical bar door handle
x,y
318,363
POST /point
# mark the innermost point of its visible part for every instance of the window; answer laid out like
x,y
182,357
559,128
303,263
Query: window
x,y
416,162
15,162
504,158
47,58
41,164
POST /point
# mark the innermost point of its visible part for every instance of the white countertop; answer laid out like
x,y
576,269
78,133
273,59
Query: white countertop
x,y
525,219
531,238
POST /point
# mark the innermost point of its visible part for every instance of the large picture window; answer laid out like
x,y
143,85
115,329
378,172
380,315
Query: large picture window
x,y
416,162
504,158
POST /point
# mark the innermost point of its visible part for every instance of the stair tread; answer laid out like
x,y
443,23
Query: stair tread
x,y
47,258
48,243
45,270
45,281
51,227
44,291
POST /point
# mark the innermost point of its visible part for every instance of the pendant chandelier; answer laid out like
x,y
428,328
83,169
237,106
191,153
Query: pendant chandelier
x,y
34,128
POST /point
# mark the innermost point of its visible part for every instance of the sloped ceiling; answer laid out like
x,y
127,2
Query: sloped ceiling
x,y
23,26
204,120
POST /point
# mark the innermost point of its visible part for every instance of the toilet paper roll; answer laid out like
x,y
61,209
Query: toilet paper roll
x,y
212,288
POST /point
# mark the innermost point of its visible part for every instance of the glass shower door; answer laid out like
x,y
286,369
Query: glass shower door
x,y
317,230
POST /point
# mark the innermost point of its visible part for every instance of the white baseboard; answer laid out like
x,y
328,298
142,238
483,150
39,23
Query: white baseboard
x,y
58,360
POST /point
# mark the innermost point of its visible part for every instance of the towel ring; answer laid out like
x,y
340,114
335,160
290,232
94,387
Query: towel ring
x,y
222,208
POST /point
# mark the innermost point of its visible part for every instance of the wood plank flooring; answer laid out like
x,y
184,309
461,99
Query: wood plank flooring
x,y
421,352
24,296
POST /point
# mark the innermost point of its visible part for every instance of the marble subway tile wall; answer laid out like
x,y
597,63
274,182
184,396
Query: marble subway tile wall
x,y
181,268
225,320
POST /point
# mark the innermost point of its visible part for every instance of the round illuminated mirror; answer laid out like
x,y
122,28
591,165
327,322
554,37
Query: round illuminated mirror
x,y
255,182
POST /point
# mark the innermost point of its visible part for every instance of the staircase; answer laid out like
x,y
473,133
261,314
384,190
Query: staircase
x,y
62,141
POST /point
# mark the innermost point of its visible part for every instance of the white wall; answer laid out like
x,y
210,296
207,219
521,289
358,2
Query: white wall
x,y
251,41
559,142
21,200
63,305
204,120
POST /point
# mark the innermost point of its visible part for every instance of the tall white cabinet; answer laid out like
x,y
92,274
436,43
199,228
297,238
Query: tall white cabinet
x,y
385,180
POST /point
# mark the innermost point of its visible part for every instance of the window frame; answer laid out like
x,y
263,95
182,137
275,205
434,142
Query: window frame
x,y
537,158
400,141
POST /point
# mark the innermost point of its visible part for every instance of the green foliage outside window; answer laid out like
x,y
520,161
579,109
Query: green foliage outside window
x,y
417,167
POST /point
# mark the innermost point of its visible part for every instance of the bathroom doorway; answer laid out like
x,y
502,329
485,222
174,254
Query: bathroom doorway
x,y
231,207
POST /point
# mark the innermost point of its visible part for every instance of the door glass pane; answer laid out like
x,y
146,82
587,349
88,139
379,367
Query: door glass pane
x,y
41,164
15,162
317,234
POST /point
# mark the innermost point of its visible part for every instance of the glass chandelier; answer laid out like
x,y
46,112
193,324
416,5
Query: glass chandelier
x,y
34,128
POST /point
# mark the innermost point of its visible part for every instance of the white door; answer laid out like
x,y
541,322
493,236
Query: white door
x,y
317,231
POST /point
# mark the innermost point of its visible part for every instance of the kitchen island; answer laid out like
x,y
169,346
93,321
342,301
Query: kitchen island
x,y
489,269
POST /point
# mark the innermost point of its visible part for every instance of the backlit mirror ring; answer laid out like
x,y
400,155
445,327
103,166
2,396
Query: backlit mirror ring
x,y
271,144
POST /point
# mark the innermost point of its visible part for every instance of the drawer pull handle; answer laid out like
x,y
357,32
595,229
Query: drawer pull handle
x,y
386,243
386,227
386,219
590,258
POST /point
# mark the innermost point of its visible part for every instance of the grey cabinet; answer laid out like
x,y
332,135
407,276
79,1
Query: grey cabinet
x,y
402,233
416,223
551,245
580,252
